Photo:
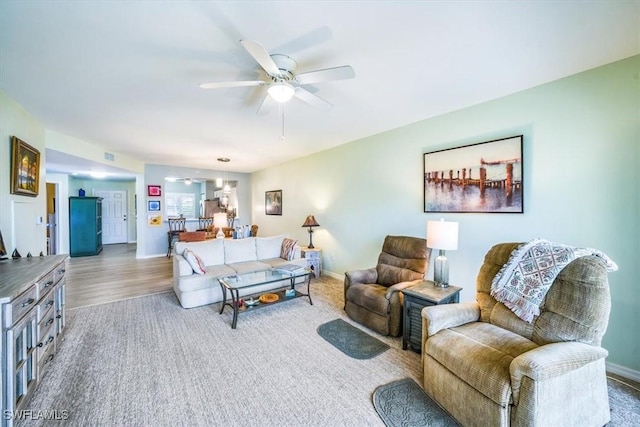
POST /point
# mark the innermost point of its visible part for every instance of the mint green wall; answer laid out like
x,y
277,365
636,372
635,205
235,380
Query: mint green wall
x,y
582,187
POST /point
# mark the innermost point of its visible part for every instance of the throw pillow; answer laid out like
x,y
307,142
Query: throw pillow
x,y
288,249
194,261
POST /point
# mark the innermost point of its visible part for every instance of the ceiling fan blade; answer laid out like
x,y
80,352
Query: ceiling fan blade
x,y
261,55
328,74
217,85
313,100
266,105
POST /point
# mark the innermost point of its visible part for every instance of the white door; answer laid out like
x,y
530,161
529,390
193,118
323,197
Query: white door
x,y
114,215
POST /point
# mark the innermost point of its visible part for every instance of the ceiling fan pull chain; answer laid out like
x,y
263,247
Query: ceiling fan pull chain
x,y
282,114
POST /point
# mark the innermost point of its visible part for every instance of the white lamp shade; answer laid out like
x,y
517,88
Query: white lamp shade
x,y
281,92
442,235
220,220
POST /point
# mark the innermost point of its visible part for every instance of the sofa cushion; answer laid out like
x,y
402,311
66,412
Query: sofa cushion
x,y
482,357
194,261
269,247
210,251
249,266
196,282
288,249
238,250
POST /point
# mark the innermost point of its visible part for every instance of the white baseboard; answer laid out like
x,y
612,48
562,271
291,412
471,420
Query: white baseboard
x,y
623,371
152,256
332,274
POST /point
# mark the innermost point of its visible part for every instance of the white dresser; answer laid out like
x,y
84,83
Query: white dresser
x,y
32,298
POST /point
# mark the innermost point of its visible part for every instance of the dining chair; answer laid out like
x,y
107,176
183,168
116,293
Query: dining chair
x,y
176,226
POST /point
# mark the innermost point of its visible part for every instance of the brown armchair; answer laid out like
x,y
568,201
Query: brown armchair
x,y
372,297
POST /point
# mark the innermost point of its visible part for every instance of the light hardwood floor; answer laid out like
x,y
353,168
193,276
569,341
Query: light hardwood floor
x,y
115,274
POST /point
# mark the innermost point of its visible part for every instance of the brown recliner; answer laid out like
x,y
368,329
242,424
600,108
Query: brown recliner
x,y
372,297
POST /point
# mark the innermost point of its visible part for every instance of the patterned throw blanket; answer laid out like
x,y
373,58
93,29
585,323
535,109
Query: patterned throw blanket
x,y
522,283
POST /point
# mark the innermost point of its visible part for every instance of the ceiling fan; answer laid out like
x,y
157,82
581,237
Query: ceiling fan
x,y
283,83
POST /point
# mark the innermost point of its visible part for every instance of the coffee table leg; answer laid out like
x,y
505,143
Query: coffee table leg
x,y
309,288
235,299
224,297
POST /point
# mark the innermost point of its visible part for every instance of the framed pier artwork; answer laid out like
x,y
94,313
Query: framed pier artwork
x,y
483,177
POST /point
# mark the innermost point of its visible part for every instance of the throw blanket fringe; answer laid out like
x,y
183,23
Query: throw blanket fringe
x,y
522,283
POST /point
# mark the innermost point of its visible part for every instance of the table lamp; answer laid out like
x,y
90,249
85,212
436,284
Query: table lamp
x,y
442,235
310,222
220,221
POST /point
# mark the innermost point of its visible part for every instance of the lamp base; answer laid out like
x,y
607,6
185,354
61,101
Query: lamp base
x,y
441,270
220,234
310,238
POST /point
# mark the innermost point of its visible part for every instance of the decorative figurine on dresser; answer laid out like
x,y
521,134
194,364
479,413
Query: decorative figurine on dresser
x,y
32,299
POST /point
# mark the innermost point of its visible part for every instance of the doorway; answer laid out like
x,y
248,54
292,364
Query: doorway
x,y
114,216
52,219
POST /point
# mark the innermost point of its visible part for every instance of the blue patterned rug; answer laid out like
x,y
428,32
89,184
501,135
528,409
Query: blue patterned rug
x,y
351,340
404,403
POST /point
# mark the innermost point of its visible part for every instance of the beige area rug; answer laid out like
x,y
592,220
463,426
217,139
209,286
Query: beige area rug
x,y
148,362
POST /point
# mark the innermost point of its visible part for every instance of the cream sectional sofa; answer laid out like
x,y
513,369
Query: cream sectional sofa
x,y
226,257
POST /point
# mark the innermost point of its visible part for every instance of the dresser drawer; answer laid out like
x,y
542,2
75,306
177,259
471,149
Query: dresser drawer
x,y
25,302
46,342
47,317
46,283
47,303
59,272
45,361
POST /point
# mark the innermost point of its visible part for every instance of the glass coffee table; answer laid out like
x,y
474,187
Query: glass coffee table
x,y
236,284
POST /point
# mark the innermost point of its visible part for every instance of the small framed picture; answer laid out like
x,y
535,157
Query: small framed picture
x,y
154,190
273,202
154,220
153,206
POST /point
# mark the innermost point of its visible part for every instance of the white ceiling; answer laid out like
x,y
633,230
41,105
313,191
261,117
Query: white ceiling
x,y
125,75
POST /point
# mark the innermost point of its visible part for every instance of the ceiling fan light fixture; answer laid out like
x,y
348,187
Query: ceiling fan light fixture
x,y
281,92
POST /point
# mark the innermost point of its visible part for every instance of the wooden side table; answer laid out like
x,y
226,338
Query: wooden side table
x,y
415,299
314,259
